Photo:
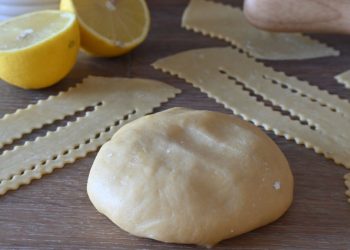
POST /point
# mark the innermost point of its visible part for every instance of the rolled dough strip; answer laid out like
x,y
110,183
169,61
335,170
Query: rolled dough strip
x,y
344,78
228,23
245,87
120,100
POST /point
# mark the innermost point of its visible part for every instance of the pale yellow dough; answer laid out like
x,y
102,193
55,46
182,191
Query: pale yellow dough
x,y
115,101
229,24
254,91
194,177
344,78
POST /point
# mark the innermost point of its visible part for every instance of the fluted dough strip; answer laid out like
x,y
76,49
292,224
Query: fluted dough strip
x,y
240,83
228,23
344,78
119,100
53,108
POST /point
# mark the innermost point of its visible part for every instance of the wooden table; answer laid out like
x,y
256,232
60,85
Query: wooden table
x,y
55,212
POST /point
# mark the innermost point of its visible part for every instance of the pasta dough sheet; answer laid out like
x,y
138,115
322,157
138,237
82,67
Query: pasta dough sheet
x,y
344,78
285,105
114,102
228,23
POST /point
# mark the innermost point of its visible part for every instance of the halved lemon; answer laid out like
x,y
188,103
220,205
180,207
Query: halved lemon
x,y
38,49
110,27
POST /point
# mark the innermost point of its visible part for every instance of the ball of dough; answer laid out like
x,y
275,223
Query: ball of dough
x,y
186,176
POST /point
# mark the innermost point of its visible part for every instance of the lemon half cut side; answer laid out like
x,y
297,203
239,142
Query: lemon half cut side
x,y
38,49
110,27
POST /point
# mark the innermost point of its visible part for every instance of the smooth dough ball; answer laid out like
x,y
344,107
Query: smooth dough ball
x,y
193,177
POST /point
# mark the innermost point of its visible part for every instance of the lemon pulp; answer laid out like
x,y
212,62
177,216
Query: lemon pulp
x,y
38,49
24,32
110,27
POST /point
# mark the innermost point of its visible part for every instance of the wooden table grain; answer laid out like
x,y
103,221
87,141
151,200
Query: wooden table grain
x,y
55,212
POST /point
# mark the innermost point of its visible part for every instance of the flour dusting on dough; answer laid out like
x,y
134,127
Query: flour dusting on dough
x,y
277,185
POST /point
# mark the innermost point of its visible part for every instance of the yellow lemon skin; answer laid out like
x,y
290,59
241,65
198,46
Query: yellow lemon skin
x,y
95,44
43,64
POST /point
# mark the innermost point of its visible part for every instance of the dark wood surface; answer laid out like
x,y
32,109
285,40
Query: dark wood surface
x,y
55,212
